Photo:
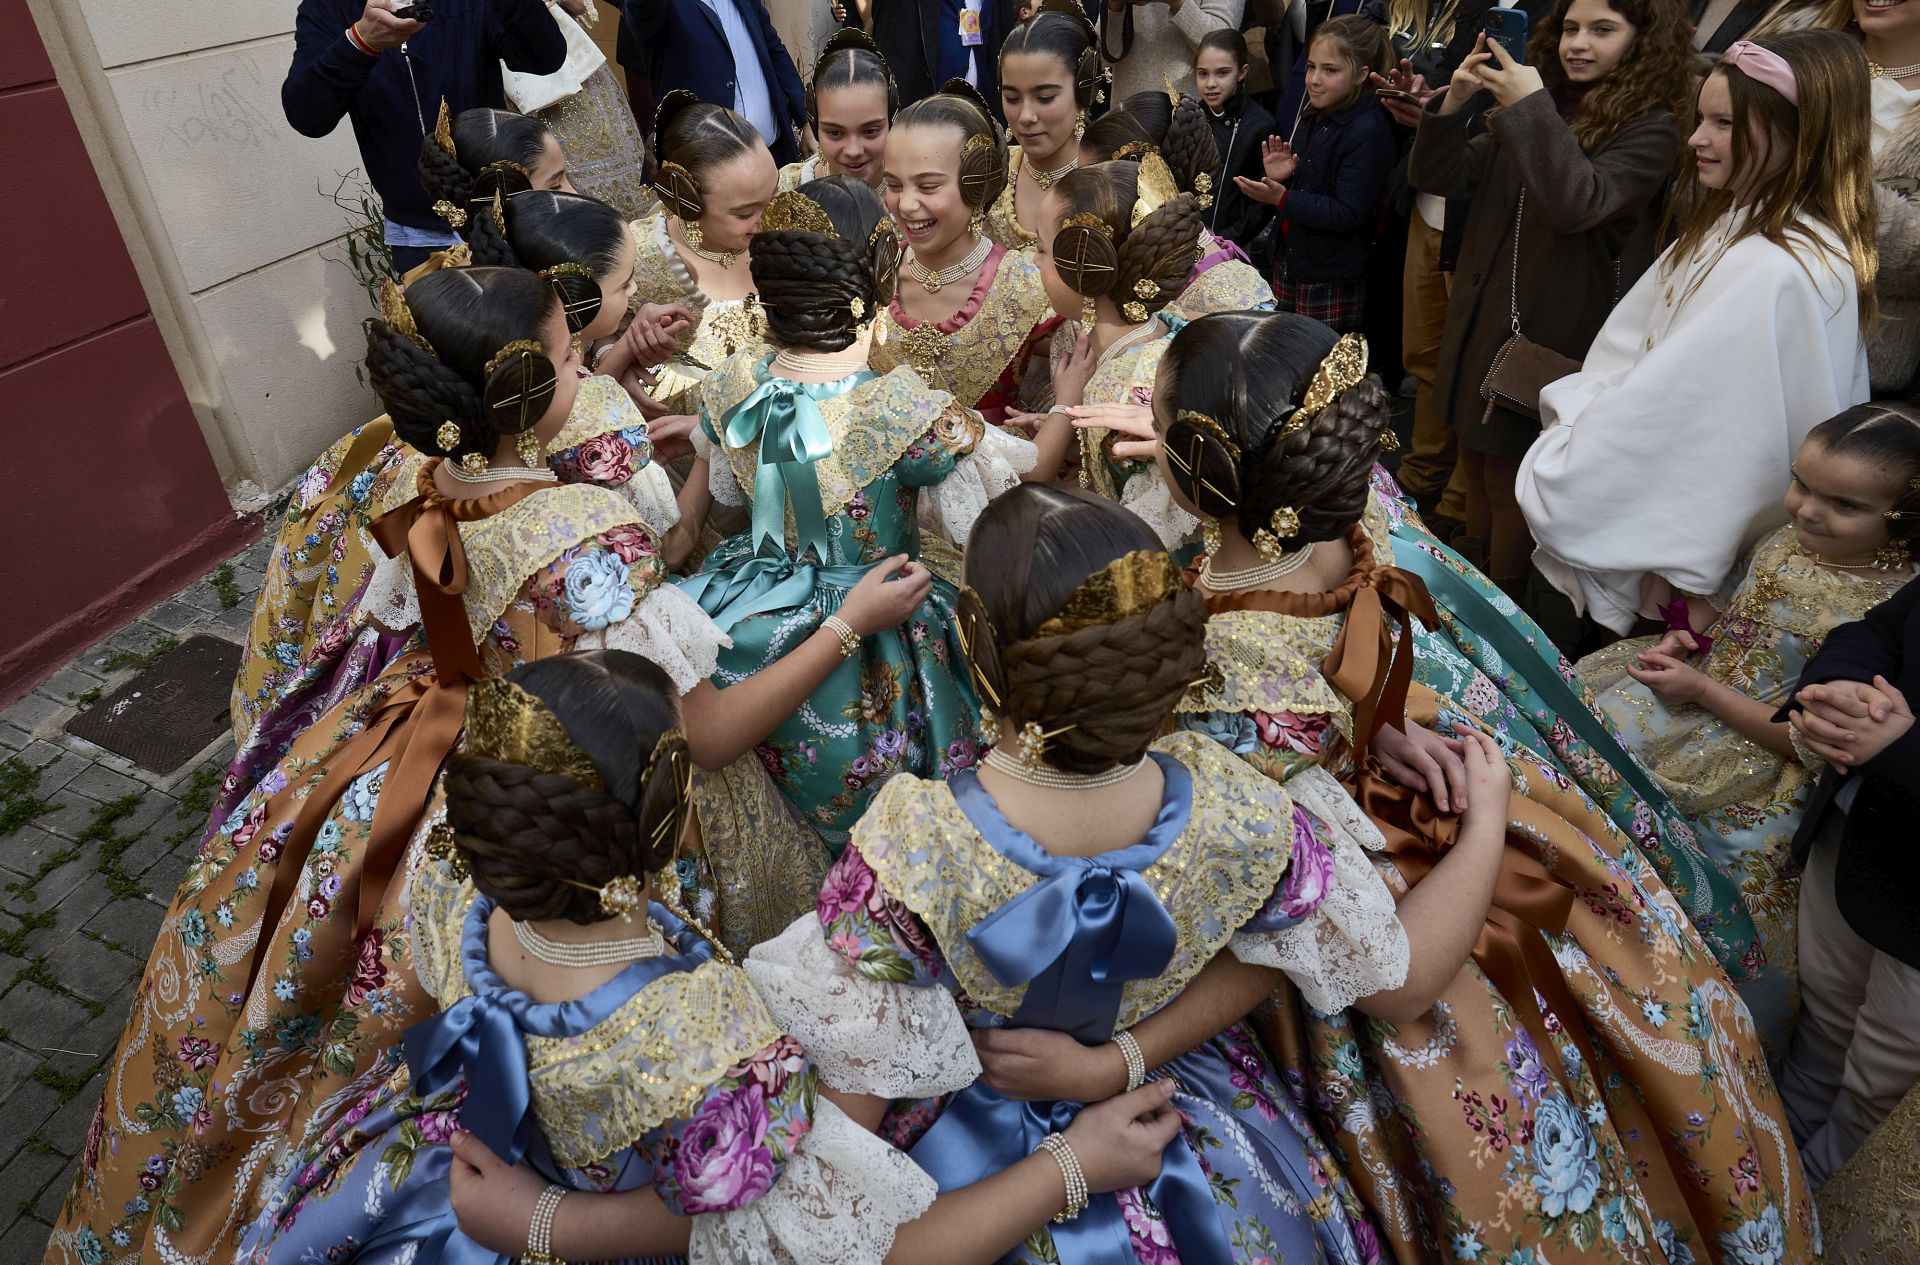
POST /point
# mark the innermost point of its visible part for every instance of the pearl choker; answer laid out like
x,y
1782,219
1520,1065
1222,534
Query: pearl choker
x,y
1054,779
593,953
502,474
815,362
1045,179
1255,576
1877,71
933,278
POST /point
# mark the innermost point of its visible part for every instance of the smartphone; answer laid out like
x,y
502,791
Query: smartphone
x,y
419,12
1395,94
1508,28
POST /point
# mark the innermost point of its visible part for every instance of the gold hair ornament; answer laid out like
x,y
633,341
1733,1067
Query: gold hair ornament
x,y
440,847
395,312
1203,190
1030,748
1154,187
793,211
1285,524
443,131
1344,368
1131,150
451,213
508,724
1125,587
447,438
1188,463
620,897
571,307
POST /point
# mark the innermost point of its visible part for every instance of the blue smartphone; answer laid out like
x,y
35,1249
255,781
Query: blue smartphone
x,y
1508,28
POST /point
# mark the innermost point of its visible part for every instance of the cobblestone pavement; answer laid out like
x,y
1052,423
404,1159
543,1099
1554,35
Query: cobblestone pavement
x,y
91,849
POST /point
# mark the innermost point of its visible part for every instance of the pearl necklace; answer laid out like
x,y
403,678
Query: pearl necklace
x,y
593,953
1054,779
931,279
1045,179
813,362
502,474
1877,71
1255,576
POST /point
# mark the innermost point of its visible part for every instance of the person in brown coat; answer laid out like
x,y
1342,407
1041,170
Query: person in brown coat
x,y
1573,167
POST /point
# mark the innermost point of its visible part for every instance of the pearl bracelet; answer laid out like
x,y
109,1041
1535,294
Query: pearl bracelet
x,y
1056,1145
849,639
540,1230
1136,1061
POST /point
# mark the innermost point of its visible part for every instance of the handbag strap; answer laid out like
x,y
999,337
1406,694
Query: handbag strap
x,y
1513,294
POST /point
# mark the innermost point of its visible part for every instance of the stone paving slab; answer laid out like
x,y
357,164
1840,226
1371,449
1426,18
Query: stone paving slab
x,y
91,849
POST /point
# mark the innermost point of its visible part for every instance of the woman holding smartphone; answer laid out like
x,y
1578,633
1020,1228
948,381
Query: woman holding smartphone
x,y
1565,186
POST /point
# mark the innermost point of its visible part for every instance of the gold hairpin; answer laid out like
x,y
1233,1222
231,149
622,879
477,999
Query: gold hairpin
x,y
1154,187
395,312
447,438
1344,368
443,131
572,307
1030,748
620,897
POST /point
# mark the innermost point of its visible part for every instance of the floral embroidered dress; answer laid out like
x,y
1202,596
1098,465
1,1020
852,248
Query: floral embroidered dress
x,y
1489,660
835,474
285,964
1124,374
1744,800
1223,281
311,643
941,917
978,354
721,327
671,1075
1589,1087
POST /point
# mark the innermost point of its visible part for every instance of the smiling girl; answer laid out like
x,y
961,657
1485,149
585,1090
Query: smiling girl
x,y
1565,189
1742,338
851,100
1049,73
1698,710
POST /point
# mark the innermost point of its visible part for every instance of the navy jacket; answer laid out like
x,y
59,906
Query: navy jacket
x,y
910,34
1333,201
1878,868
681,45
457,57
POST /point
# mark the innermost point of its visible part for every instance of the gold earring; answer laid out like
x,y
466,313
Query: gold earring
x,y
1893,555
692,229
533,449
1089,313
977,222
1080,125
1210,537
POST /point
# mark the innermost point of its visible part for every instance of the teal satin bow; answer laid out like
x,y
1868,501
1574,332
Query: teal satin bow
x,y
784,416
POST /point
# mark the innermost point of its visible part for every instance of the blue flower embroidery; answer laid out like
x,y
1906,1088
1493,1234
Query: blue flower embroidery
x,y
363,794
1565,1174
597,591
1761,1241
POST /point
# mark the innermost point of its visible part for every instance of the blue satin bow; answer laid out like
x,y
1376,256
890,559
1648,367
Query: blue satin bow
x,y
784,416
762,584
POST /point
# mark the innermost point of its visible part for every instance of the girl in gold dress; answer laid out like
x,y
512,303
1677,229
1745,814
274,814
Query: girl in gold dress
x,y
1049,81
851,100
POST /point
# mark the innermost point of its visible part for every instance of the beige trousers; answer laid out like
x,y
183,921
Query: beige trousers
x,y
1429,463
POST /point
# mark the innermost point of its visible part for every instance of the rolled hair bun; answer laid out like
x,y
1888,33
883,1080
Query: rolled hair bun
x,y
529,836
691,137
1112,687
493,150
983,151
1160,251
1245,372
556,234
467,316
809,282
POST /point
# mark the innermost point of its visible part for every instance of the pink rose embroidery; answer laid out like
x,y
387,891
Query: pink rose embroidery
x,y
1284,731
1146,1230
369,972
722,1162
604,459
848,885
628,542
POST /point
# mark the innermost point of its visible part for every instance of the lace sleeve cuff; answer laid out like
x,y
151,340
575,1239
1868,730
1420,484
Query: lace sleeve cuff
x,y
866,1037
650,492
994,466
390,599
1148,496
842,1196
1353,945
720,481
669,628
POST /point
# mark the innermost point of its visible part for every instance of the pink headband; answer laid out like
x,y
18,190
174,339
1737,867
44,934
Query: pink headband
x,y
1763,66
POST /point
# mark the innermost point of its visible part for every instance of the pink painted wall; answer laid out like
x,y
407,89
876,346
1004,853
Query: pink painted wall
x,y
109,499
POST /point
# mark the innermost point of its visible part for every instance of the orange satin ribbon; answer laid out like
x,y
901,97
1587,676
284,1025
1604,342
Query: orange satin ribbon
x,y
416,726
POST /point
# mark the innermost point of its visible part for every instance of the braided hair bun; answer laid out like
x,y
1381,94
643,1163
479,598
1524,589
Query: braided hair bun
x,y
1230,383
1099,252
983,150
1110,687
576,243
541,843
493,152
816,288
446,372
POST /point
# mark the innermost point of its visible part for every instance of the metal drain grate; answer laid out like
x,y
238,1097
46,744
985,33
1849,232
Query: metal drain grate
x,y
166,715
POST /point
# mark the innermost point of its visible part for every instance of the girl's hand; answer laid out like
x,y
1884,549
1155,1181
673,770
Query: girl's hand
x,y
672,436
1876,716
1465,84
1508,80
1266,189
1278,160
880,602
492,1200
1038,1065
1070,376
1676,644
1670,680
1118,1142
1134,420
1403,79
1424,761
1489,784
652,336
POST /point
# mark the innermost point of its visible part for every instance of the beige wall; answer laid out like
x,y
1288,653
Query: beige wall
x,y
223,206
224,210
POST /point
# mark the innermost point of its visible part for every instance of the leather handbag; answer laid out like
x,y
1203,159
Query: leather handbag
x,y
1521,367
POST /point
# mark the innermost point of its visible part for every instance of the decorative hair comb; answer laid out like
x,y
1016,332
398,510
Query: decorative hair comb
x,y
1127,586
506,723
395,312
443,131
793,211
1343,369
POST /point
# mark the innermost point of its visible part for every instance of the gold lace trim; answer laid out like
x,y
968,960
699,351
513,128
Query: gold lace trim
x,y
969,362
1002,224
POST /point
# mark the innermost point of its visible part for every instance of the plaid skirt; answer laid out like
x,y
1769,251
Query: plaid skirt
x,y
1341,304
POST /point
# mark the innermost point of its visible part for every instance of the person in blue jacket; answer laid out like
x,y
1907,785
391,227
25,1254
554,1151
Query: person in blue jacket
x,y
355,59
1325,183
725,52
